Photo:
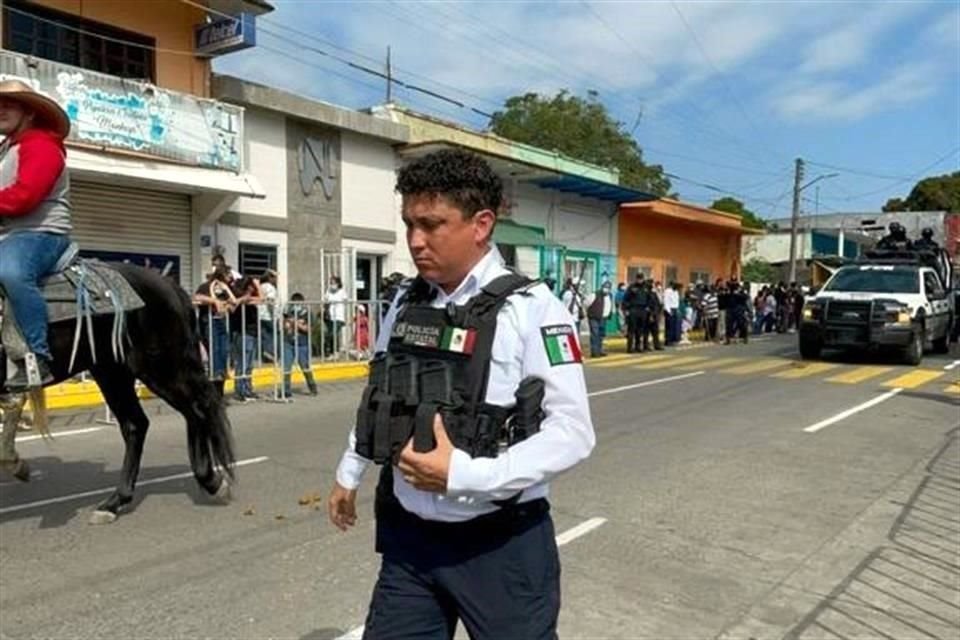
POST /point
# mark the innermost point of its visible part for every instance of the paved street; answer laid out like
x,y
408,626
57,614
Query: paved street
x,y
734,493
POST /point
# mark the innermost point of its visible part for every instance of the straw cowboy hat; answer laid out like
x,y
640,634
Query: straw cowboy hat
x,y
47,113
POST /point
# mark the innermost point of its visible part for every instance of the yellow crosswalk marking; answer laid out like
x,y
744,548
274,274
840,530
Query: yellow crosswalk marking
x,y
860,374
953,387
710,364
611,358
914,379
666,364
805,369
757,366
627,362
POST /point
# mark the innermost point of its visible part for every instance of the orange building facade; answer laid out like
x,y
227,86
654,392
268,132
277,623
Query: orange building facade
x,y
169,24
672,241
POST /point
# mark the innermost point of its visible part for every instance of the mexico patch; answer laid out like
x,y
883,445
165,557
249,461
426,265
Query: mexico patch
x,y
561,344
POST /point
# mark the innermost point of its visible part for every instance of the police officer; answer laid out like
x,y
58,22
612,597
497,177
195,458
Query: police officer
x,y
464,532
926,241
633,309
896,239
649,323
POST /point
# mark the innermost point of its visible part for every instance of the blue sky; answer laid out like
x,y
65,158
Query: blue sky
x,y
724,94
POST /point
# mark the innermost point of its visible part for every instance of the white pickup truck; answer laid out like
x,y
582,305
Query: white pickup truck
x,y
870,306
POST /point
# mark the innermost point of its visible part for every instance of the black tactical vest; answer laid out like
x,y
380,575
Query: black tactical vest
x,y
438,361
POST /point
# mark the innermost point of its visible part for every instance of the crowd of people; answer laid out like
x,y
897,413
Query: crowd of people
x,y
242,323
652,316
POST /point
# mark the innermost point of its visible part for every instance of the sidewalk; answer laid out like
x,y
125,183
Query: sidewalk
x,y
80,395
84,395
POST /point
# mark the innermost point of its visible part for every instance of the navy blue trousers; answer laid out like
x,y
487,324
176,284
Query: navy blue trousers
x,y
498,574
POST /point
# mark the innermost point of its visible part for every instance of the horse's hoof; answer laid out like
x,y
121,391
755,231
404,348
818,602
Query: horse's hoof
x,y
102,517
21,470
224,494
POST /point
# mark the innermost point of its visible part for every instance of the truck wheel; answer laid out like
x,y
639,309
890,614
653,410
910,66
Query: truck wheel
x,y
810,348
914,353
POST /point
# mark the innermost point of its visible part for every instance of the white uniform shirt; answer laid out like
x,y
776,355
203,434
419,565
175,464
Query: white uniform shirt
x,y
519,350
671,300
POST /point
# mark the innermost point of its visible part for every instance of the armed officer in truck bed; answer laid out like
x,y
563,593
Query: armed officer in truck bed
x,y
476,400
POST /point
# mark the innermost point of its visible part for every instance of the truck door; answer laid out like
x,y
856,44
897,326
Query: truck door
x,y
940,306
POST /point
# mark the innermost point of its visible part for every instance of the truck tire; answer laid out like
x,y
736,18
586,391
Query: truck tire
x,y
913,355
810,348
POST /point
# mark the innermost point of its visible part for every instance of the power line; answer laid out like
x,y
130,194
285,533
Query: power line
x,y
858,172
910,178
733,96
680,156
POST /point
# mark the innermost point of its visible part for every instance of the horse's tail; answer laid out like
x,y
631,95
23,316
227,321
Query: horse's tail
x,y
218,433
38,402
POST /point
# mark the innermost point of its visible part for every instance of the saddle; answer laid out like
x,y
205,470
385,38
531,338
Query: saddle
x,y
80,290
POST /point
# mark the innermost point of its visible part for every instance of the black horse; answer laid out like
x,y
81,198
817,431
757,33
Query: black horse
x,y
162,350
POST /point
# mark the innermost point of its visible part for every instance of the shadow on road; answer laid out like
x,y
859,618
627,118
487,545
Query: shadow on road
x,y
911,587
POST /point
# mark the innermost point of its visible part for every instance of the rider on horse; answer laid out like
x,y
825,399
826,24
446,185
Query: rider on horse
x,y
34,211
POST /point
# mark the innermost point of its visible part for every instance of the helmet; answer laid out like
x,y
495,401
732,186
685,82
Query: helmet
x,y
896,227
927,233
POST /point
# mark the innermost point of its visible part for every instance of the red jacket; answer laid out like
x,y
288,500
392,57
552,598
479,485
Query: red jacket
x,y
42,158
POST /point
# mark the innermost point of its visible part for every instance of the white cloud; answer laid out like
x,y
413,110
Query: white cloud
x,y
850,44
835,101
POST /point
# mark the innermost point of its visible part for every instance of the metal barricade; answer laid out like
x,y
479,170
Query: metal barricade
x,y
297,333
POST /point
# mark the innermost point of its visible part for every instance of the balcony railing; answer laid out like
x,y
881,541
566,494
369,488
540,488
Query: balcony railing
x,y
129,115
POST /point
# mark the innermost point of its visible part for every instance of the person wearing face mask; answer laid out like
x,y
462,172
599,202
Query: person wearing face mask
x,y
336,316
34,212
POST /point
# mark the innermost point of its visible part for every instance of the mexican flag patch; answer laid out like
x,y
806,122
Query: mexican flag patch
x,y
561,344
458,340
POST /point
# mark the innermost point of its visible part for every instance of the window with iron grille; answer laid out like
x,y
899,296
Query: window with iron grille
x,y
699,276
61,37
633,270
257,258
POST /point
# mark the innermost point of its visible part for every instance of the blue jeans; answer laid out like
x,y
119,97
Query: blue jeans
x,y
300,354
217,342
244,349
597,334
26,258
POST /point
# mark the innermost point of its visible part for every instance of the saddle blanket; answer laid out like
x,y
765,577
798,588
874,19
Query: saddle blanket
x,y
106,293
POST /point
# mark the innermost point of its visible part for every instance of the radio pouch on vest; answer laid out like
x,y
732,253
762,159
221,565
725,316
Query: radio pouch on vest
x,y
438,362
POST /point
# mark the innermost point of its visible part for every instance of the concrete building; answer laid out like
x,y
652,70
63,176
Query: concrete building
x,y
152,158
330,208
872,225
672,241
560,216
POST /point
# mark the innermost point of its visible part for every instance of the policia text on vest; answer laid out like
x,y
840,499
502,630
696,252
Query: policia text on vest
x,y
438,362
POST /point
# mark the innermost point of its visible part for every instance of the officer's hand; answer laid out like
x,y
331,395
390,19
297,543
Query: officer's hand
x,y
428,471
342,507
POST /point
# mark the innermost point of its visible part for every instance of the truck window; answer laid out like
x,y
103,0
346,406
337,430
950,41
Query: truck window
x,y
890,280
932,284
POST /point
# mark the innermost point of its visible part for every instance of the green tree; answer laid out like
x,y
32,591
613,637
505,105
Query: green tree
x,y
581,128
759,270
734,206
936,193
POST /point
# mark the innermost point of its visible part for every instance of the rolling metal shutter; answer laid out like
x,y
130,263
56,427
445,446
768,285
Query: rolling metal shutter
x,y
133,220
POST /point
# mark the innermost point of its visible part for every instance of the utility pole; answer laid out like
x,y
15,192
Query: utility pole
x,y
389,78
795,219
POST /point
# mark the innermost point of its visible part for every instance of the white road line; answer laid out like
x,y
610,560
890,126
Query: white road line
x,y
567,536
849,412
648,383
59,434
97,492
580,530
953,365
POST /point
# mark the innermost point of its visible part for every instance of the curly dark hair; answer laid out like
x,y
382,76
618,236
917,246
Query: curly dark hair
x,y
463,178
